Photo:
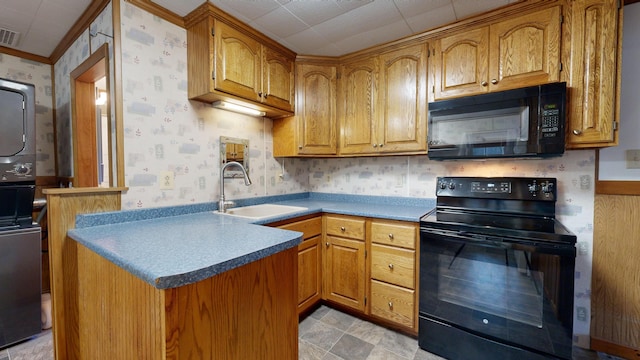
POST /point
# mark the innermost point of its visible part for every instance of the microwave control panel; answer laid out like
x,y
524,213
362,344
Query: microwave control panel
x,y
550,122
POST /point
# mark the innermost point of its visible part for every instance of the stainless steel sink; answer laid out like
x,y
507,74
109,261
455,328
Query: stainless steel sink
x,y
263,211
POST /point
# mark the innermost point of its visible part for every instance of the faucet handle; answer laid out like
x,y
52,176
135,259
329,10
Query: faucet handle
x,y
223,205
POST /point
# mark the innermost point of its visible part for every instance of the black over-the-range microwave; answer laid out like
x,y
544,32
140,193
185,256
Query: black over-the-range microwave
x,y
524,122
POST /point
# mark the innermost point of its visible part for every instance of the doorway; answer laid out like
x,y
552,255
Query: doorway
x,y
91,121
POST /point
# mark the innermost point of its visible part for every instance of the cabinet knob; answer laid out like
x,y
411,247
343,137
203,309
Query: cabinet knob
x,y
390,305
381,145
327,244
484,83
494,81
265,96
391,236
260,94
299,147
375,145
390,266
342,228
577,132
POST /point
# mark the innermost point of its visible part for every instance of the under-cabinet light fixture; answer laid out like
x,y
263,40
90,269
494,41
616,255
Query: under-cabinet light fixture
x,y
237,108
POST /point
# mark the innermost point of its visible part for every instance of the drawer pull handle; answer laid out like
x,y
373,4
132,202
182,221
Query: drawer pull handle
x,y
390,305
391,236
342,229
390,266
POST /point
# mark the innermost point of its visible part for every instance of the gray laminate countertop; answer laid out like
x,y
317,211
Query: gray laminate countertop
x,y
175,246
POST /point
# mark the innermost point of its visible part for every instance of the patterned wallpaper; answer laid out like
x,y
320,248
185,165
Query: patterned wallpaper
x,y
165,132
38,74
77,53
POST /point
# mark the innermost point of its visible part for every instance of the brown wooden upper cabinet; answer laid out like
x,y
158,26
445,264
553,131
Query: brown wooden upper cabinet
x,y
516,52
312,131
594,49
229,61
383,102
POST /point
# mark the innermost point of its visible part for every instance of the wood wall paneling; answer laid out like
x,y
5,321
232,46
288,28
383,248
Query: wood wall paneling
x,y
63,205
615,323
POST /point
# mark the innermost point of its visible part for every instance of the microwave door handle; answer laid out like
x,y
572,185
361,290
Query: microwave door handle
x,y
437,147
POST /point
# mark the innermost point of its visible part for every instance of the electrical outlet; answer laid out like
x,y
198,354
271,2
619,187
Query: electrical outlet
x,y
166,180
633,158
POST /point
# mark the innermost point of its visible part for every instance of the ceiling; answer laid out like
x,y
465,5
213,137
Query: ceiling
x,y
309,27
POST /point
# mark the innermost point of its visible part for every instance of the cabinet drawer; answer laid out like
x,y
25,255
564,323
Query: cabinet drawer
x,y
346,227
393,303
395,234
393,265
309,227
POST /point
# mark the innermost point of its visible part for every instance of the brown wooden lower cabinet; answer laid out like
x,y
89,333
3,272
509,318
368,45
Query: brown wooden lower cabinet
x,y
366,266
309,260
244,313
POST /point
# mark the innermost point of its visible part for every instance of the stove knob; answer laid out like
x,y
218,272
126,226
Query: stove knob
x,y
547,188
21,169
443,185
533,188
452,186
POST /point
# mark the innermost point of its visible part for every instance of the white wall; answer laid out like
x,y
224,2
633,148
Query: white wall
x,y
613,164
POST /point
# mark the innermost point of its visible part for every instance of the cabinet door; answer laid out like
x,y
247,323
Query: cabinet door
x,y
594,76
344,271
316,109
461,64
402,118
237,63
525,50
309,273
277,79
358,84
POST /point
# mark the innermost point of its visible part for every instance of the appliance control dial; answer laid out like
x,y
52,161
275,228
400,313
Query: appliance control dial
x,y
452,185
534,188
443,185
21,169
547,187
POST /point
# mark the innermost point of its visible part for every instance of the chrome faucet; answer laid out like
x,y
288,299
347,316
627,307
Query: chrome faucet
x,y
222,203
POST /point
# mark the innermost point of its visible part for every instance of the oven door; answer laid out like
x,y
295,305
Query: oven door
x,y
487,297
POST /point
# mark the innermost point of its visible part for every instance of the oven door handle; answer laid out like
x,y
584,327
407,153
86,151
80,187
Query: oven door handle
x,y
470,237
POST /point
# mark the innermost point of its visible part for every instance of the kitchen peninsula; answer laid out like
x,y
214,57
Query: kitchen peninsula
x,y
197,285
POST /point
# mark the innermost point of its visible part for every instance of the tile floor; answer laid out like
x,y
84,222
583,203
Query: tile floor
x,y
326,334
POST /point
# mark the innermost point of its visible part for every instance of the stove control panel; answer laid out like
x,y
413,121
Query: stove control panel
x,y
21,170
537,189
